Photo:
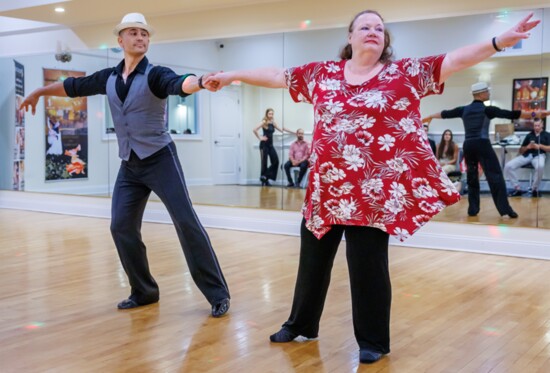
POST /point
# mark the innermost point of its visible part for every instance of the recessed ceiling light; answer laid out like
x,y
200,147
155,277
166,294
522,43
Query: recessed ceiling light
x,y
60,10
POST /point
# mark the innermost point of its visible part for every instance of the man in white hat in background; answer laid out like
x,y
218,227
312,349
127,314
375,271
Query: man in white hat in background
x,y
137,93
478,149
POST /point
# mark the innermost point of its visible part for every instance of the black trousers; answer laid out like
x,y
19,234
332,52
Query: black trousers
x,y
367,256
303,169
481,151
268,151
161,173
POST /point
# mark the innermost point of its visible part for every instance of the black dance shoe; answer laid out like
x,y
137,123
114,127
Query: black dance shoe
x,y
127,304
283,336
367,356
220,308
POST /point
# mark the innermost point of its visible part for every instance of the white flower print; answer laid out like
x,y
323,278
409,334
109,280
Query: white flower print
x,y
422,188
315,223
316,194
390,73
429,208
401,234
421,219
386,142
334,107
364,137
353,158
413,67
346,209
345,125
372,188
329,85
365,122
447,185
397,164
332,67
401,104
371,99
408,125
380,226
394,205
330,174
397,190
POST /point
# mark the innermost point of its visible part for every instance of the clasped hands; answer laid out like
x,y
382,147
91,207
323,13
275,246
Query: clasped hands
x,y
216,81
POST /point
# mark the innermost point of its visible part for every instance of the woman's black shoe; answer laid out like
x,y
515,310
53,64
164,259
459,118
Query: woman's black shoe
x,y
282,336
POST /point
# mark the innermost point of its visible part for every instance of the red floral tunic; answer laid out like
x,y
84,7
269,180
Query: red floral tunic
x,y
371,163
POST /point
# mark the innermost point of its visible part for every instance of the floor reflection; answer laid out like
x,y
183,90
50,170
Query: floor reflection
x,y
533,212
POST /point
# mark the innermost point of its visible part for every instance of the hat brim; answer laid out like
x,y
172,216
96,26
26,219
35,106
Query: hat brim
x,y
122,26
481,90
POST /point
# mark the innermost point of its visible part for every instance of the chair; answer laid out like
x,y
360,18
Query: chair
x,y
530,167
295,172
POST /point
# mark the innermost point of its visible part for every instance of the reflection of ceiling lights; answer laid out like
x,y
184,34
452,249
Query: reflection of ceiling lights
x,y
60,9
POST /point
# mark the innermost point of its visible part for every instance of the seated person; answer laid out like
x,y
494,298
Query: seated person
x,y
426,127
447,152
298,157
533,150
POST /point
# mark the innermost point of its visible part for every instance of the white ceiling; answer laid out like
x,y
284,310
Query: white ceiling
x,y
93,20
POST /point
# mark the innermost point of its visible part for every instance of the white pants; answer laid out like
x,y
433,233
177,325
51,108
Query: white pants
x,y
510,169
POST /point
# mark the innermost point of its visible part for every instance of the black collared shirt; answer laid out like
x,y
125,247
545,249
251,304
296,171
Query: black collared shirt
x,y
543,138
162,81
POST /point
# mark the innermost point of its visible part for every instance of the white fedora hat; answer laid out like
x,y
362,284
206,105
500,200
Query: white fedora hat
x,y
136,20
479,87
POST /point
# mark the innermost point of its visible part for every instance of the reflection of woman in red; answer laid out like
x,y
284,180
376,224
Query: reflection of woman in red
x,y
19,114
15,176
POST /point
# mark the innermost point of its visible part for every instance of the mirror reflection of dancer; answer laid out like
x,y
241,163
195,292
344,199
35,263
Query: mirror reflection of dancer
x,y
267,150
54,136
478,149
373,173
137,93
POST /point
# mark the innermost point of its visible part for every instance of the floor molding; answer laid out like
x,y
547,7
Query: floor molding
x,y
487,239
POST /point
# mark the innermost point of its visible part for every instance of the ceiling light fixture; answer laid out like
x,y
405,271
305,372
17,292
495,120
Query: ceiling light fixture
x,y
60,9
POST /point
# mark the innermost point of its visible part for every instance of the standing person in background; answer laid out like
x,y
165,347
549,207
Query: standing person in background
x,y
372,172
298,155
478,149
267,150
137,93
532,151
447,152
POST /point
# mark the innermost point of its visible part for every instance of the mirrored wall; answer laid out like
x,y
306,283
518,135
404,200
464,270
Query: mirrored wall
x,y
70,147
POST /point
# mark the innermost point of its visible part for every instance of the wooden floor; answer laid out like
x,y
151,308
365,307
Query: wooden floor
x,y
533,212
61,280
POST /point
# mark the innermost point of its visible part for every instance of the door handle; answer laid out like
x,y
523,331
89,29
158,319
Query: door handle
x,y
216,142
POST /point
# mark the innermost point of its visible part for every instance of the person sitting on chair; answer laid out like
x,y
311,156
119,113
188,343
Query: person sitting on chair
x,y
447,152
298,156
532,151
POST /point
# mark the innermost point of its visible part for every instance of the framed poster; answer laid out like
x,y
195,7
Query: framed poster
x,y
66,131
528,94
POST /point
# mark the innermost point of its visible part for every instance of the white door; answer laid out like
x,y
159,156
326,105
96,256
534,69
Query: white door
x,y
226,132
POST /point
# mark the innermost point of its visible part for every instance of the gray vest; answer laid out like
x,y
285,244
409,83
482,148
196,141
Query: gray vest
x,y
140,123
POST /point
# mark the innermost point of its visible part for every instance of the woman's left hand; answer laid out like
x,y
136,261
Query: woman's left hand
x,y
518,32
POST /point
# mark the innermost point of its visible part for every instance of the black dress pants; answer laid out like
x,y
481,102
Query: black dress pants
x,y
367,257
268,151
481,151
162,174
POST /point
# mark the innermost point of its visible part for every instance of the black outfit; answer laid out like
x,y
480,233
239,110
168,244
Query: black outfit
x,y
267,150
367,256
432,145
150,163
478,149
303,169
543,138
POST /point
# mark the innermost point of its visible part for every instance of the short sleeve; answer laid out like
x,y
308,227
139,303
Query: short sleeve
x,y
424,73
301,81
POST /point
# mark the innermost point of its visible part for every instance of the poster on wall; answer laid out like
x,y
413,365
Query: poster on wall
x,y
18,175
66,131
528,94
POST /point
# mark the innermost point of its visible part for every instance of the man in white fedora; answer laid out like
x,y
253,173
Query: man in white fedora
x,y
478,149
137,92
